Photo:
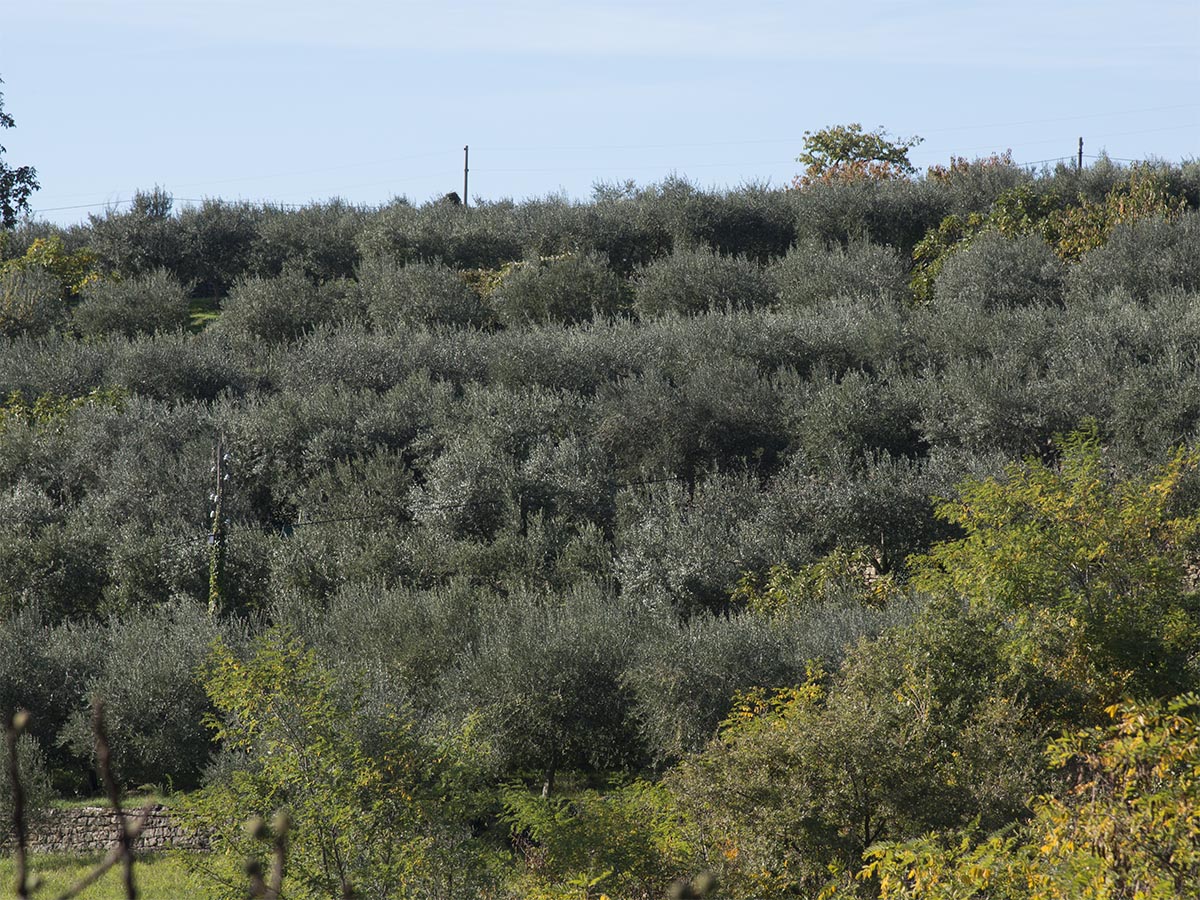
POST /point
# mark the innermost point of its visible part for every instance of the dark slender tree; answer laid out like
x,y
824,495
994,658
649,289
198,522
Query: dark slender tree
x,y
15,184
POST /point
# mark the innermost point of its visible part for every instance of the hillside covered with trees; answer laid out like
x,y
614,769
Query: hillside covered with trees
x,y
565,549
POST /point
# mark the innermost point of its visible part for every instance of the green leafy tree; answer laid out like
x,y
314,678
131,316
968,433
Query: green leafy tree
x,y
914,731
624,842
1126,826
16,184
847,153
1087,571
365,822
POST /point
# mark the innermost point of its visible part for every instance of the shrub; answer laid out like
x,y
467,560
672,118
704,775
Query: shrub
x,y
217,241
693,281
175,366
543,683
893,212
320,239
755,221
154,701
715,412
623,230
1121,826
1086,570
31,303
416,294
834,420
33,678
686,550
145,303
140,240
35,782
1145,258
912,734
685,676
624,840
486,236
812,273
973,185
571,288
375,824
280,309
995,271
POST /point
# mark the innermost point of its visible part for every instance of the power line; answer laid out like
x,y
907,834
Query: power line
x,y
653,146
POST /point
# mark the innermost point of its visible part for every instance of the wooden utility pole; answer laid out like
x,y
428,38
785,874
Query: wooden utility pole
x,y
466,157
1079,164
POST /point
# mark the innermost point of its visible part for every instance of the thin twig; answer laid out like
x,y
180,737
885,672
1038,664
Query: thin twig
x,y
129,831
12,731
104,764
280,826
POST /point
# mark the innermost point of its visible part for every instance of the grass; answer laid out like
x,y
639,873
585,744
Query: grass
x,y
161,876
204,311
132,802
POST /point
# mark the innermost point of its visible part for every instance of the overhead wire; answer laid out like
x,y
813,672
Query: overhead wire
x,y
647,146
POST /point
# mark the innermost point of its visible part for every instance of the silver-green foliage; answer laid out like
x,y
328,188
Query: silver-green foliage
x,y
996,271
812,273
419,293
692,281
146,303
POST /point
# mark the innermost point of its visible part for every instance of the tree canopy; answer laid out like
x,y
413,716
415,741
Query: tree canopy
x,y
16,184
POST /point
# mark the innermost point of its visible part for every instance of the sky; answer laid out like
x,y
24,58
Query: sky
x,y
292,101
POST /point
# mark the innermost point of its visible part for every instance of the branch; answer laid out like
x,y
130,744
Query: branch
x,y
123,850
12,731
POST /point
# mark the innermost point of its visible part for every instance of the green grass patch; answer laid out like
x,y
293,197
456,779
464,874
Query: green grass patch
x,y
160,876
132,802
203,311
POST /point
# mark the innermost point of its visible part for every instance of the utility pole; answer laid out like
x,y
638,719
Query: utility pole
x,y
1079,164
466,157
216,537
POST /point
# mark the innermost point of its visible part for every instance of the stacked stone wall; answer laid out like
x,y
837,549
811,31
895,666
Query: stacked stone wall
x,y
94,829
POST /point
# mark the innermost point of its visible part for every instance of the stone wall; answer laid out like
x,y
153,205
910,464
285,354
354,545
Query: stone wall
x,y
93,829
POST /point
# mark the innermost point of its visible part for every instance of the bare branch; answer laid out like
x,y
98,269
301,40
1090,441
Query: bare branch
x,y
280,825
129,830
104,764
12,731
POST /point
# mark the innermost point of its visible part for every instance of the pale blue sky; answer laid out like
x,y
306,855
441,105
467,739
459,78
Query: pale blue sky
x,y
292,101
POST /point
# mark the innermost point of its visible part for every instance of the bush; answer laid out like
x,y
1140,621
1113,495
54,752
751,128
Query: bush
x,y
31,303
571,288
381,823
1146,258
280,309
811,273
180,366
543,682
855,416
995,271
35,782
320,239
687,550
32,678
140,240
913,734
685,676
154,701
145,303
893,212
416,294
693,281
754,221
485,236
217,241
